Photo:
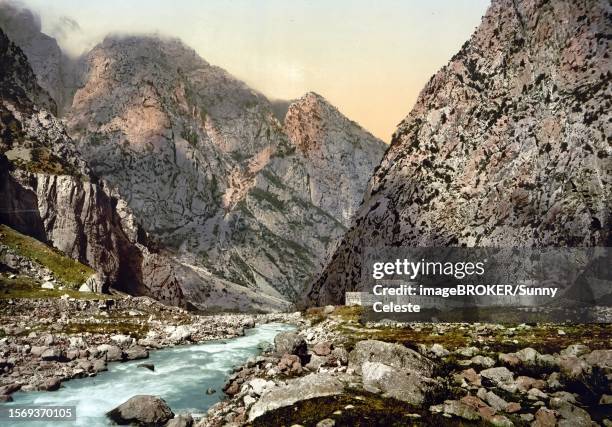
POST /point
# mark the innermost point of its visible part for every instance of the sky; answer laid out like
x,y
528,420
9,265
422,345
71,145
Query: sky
x,y
370,58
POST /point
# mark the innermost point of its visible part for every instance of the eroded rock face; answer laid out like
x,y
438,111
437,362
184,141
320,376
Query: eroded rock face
x,y
507,145
329,140
47,191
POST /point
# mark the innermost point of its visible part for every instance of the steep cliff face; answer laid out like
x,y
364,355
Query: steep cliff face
x,y
48,192
508,145
211,172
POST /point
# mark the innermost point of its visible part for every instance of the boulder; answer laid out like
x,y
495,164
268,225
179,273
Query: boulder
x,y
498,377
544,417
37,350
394,355
571,415
260,385
601,359
469,375
110,353
495,401
298,389
142,410
322,348
339,356
136,352
438,350
180,333
575,350
290,364
52,354
99,365
182,420
457,409
404,385
484,361
50,384
97,282
316,362
121,339
290,343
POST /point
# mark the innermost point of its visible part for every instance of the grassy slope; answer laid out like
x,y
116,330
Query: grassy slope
x,y
68,272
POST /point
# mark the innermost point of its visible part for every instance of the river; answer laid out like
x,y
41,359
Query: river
x,y
181,377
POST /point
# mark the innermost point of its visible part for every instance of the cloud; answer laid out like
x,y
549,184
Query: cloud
x,y
18,20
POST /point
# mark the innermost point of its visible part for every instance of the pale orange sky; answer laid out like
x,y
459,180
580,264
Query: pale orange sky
x,y
369,58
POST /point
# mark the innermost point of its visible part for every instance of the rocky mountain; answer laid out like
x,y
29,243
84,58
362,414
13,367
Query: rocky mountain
x,y
509,144
55,71
47,191
247,206
213,174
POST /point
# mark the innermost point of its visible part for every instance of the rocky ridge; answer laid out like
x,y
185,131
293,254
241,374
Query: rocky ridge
x,y
507,145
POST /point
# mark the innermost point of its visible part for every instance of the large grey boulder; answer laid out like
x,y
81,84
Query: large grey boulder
x,y
142,410
307,387
136,352
499,377
404,385
97,282
290,343
394,355
110,353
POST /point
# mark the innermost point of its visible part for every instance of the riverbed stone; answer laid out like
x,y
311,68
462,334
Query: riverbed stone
x,y
181,420
136,352
290,343
290,364
142,410
110,352
149,366
52,354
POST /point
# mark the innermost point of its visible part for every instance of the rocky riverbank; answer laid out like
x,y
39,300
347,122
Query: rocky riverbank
x,y
339,371
46,341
